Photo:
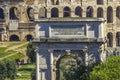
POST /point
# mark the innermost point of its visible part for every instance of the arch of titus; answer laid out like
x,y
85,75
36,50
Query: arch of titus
x,y
82,38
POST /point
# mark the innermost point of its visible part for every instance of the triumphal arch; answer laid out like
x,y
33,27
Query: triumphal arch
x,y
64,41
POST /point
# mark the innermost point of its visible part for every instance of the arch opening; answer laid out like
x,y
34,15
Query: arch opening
x,y
110,39
54,12
109,14
2,14
118,12
89,11
78,11
118,39
66,12
100,12
30,13
14,13
28,37
14,38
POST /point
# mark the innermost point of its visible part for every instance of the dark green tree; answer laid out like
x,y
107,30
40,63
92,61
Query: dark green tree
x,y
11,69
109,70
31,52
3,71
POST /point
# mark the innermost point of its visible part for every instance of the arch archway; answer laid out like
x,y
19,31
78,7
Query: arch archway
x,y
14,38
30,13
78,11
28,37
118,12
13,13
89,11
109,14
64,64
100,12
66,12
118,39
2,13
110,39
42,12
54,12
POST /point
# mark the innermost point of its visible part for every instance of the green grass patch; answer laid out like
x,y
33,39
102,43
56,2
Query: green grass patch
x,y
25,72
16,56
3,53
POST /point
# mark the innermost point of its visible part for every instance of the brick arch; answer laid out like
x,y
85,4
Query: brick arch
x,y
54,12
66,11
78,11
89,11
28,37
13,13
42,12
30,13
14,37
110,39
100,12
109,14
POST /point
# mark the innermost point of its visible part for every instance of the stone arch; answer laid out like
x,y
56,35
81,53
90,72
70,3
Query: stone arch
x,y
100,12
109,14
89,11
110,39
66,12
78,11
2,14
30,13
118,39
28,37
13,12
54,12
43,12
58,64
99,1
118,12
14,38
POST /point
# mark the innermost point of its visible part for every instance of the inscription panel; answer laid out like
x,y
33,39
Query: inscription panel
x,y
68,30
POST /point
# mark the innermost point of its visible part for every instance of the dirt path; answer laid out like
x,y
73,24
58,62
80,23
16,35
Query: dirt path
x,y
14,47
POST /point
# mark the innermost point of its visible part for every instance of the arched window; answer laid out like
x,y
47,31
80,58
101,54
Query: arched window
x,y
89,11
110,39
1,14
99,1
13,13
109,14
118,12
43,12
28,37
78,11
54,12
30,13
118,39
14,38
100,12
66,12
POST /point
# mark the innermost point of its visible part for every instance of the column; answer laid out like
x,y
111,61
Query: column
x,y
101,31
37,64
51,64
85,50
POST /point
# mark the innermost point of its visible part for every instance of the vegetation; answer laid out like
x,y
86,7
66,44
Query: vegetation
x,y
110,70
7,70
31,52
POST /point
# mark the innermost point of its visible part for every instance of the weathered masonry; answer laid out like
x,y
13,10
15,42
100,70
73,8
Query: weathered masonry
x,y
81,38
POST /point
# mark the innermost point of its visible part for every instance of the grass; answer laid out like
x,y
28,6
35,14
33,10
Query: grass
x,y
25,72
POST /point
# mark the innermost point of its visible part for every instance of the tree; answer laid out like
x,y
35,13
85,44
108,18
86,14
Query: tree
x,y
31,52
3,71
11,69
109,70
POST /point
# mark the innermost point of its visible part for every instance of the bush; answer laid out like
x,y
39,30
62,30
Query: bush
x,y
110,70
